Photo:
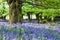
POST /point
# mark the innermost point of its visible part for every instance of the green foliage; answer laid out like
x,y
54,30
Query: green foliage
x,y
54,4
49,13
3,9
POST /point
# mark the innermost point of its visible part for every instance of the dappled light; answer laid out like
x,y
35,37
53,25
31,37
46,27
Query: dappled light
x,y
29,19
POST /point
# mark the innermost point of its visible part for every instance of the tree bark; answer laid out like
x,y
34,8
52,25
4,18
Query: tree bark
x,y
37,17
28,14
15,11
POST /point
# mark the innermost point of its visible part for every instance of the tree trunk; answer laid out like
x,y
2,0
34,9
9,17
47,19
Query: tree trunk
x,y
40,15
28,14
37,17
15,11
3,17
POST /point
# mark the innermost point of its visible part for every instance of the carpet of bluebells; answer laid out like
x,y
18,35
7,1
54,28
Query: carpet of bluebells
x,y
28,31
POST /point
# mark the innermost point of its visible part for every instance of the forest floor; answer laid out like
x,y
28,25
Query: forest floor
x,y
32,31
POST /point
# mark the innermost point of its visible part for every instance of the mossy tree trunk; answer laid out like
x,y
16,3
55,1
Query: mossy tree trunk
x,y
15,11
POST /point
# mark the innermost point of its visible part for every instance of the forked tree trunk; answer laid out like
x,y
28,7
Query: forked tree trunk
x,y
15,11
